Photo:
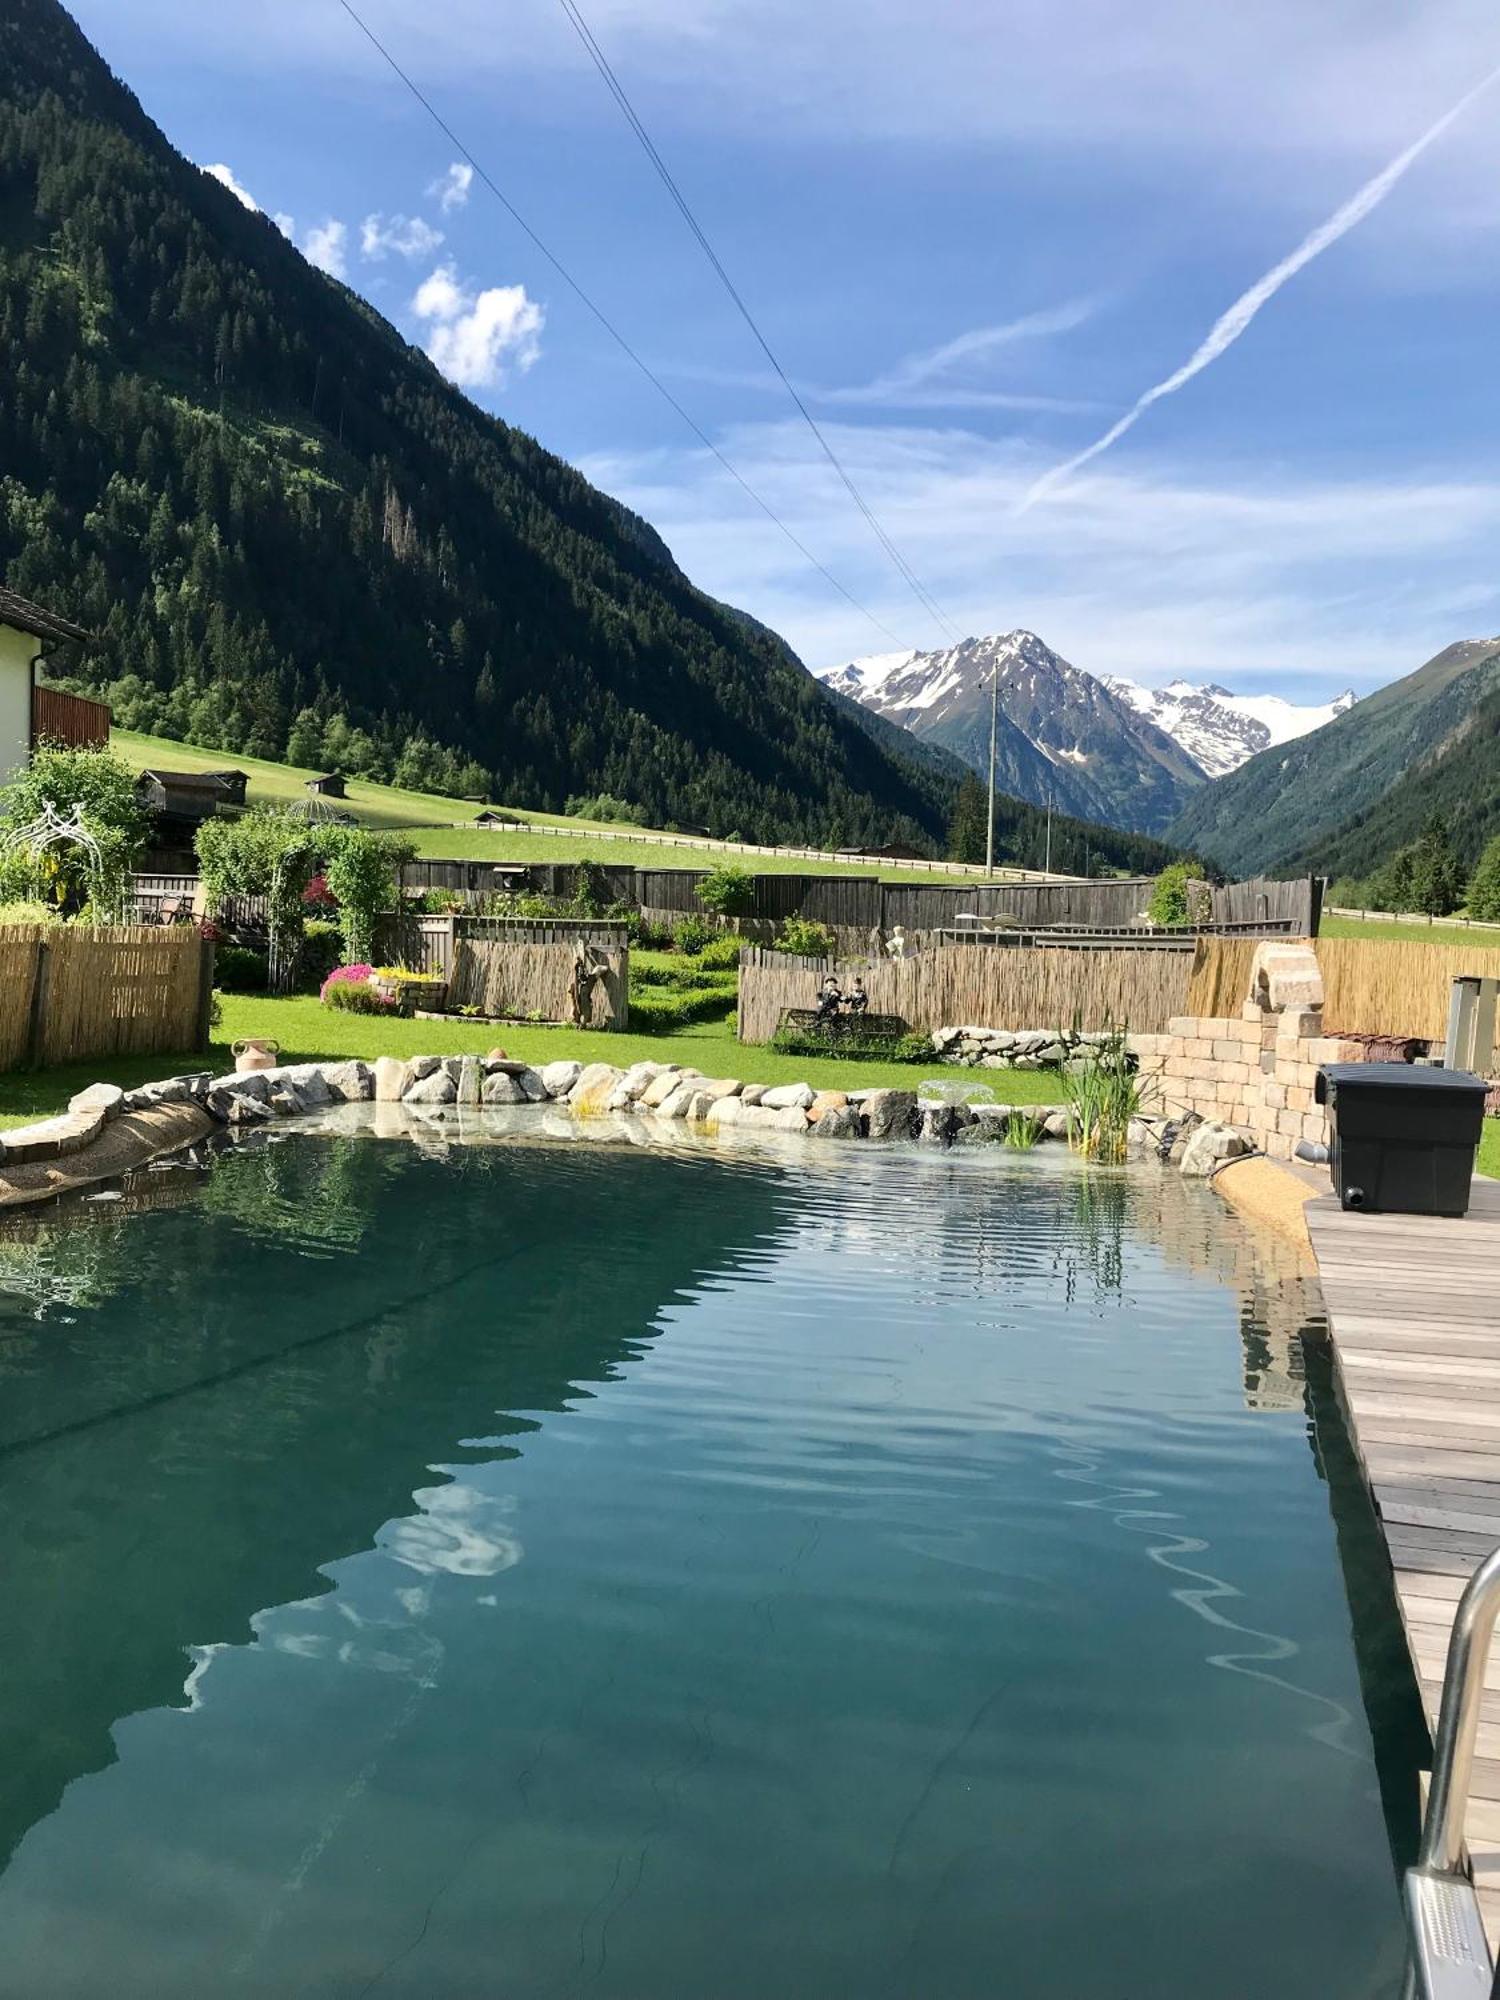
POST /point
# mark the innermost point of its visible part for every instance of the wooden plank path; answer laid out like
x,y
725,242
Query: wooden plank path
x,y
1413,1304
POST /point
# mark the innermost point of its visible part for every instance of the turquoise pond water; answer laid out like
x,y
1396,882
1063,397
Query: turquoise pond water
x,y
550,1570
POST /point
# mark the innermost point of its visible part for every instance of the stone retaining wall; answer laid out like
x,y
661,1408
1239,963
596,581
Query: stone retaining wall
x,y
1256,1073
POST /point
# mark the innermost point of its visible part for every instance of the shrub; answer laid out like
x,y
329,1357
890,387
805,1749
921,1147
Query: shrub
x,y
805,939
102,789
1169,898
360,869
659,1010
912,1048
721,953
355,998
322,947
28,912
238,969
693,934
729,891
604,806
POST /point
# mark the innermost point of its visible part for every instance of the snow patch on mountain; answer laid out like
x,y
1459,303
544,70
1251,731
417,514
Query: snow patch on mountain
x,y
1221,730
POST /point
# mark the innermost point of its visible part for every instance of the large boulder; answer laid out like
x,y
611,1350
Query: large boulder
x,y
391,1079
436,1087
721,1086
677,1102
784,1096
309,1082
532,1087
656,1093
824,1102
353,1081
942,1123
470,1078
502,1088
1209,1144
841,1122
892,1114
590,1095
108,1099
560,1077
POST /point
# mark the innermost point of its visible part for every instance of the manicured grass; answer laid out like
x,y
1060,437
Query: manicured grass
x,y
1489,1149
441,828
308,1031
1411,931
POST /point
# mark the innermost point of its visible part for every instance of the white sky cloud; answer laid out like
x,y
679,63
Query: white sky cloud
x,y
943,377
401,235
478,338
326,245
225,176
451,190
1295,582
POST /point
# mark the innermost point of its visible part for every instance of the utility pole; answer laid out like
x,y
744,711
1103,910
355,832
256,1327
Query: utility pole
x,y
989,832
996,690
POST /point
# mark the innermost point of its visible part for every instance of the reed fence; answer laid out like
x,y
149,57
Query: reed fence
x,y
979,985
1370,986
68,994
520,966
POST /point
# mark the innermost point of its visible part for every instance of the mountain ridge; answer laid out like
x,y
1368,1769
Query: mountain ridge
x,y
1293,804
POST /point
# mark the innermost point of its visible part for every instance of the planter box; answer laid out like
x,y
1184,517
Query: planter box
x,y
412,995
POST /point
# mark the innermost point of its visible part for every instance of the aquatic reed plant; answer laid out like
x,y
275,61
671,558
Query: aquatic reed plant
x,y
1022,1130
1102,1094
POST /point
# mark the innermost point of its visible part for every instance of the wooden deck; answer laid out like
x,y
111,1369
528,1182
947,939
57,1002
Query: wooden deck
x,y
1413,1303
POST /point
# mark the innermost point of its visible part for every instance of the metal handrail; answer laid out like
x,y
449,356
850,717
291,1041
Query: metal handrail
x,y
1450,1954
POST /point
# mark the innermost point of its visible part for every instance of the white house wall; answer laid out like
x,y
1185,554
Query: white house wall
x,y
17,651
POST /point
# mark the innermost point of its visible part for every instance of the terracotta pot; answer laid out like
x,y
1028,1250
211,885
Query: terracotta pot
x,y
256,1053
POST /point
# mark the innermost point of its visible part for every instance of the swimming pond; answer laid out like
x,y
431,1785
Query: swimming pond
x,y
566,1570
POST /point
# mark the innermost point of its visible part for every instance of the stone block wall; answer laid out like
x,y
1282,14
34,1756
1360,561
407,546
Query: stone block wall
x,y
1256,1073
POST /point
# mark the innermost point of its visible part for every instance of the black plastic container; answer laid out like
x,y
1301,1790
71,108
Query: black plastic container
x,y
1402,1139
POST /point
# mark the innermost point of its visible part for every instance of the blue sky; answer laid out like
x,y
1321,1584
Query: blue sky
x,y
974,236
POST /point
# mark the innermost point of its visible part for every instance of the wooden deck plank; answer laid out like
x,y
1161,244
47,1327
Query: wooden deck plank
x,y
1413,1307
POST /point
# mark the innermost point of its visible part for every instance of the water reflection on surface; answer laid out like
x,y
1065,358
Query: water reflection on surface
x,y
549,1568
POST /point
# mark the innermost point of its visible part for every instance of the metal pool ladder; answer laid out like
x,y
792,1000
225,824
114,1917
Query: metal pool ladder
x,y
1450,1956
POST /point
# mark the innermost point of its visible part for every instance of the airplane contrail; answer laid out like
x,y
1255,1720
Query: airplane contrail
x,y
1227,329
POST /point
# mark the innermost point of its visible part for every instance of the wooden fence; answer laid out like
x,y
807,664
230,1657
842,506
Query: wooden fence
x,y
518,967
976,985
68,994
863,903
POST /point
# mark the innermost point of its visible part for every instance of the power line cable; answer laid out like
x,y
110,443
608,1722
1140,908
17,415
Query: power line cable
x,y
617,90
604,320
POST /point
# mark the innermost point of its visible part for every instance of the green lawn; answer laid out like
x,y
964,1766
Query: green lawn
x,y
1489,1149
1411,931
308,1031
441,828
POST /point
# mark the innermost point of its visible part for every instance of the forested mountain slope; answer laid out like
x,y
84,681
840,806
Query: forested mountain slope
x,y
1287,804
298,541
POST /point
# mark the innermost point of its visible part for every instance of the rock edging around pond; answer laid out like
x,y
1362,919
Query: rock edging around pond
x,y
436,1085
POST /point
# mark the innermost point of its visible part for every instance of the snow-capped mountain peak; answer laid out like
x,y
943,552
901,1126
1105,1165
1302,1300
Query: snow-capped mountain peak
x,y
1221,730
1095,745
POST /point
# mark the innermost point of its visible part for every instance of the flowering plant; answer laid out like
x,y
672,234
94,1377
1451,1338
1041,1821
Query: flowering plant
x,y
348,987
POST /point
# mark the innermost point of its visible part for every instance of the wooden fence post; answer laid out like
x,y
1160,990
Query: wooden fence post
x,y
205,991
36,1029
